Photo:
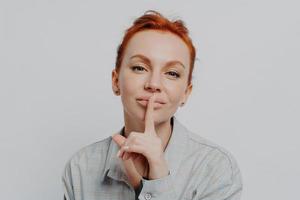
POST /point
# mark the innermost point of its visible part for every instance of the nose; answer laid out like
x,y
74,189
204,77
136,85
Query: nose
x,y
154,83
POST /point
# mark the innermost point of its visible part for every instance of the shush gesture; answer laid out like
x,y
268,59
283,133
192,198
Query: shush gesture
x,y
144,150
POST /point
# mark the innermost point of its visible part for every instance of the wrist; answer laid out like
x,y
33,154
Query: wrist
x,y
158,170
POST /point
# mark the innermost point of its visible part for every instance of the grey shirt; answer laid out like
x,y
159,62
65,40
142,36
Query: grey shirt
x,y
198,169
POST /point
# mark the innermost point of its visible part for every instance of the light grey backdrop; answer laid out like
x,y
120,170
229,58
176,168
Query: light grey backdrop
x,y
56,59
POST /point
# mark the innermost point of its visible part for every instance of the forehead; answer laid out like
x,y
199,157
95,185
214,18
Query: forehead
x,y
158,46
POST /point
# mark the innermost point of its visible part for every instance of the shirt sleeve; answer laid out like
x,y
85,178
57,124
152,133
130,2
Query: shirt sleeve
x,y
158,189
67,183
222,181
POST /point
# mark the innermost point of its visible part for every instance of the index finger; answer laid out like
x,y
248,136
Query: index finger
x,y
149,120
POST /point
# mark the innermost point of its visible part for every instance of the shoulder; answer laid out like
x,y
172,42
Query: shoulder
x,y
214,167
213,154
95,152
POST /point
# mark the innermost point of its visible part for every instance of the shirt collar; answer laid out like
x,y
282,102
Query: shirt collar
x,y
174,153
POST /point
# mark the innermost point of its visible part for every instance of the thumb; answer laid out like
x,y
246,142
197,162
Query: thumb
x,y
119,139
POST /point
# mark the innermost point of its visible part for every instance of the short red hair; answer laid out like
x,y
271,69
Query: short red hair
x,y
152,20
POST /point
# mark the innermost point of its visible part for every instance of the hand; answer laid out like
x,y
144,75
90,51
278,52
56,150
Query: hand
x,y
144,150
136,168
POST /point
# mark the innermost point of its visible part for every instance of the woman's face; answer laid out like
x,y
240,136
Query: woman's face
x,y
154,62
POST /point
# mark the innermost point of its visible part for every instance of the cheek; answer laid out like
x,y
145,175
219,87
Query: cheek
x,y
126,88
175,93
126,83
131,87
127,94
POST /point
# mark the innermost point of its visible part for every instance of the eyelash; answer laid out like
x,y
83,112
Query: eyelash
x,y
137,67
175,74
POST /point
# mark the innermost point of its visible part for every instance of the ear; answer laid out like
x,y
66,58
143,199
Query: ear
x,y
187,93
115,82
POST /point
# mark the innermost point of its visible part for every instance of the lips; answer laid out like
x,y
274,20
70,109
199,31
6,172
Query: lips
x,y
146,98
158,103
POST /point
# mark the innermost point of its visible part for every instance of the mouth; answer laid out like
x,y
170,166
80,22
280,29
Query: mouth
x,y
144,103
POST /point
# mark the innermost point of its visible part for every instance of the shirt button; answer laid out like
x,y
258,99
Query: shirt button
x,y
148,196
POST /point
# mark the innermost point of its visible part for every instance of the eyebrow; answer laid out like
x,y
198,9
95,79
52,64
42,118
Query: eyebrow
x,y
148,62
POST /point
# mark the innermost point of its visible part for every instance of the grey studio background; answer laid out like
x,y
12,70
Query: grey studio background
x,y
56,59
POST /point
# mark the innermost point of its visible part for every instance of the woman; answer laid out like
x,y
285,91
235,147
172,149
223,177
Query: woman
x,y
153,156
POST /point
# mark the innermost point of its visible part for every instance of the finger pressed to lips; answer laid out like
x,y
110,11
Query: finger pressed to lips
x,y
157,99
149,129
144,103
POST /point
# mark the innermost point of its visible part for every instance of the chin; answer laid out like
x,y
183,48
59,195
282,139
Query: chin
x,y
137,115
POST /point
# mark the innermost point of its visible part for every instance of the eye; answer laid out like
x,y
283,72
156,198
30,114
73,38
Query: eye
x,y
137,68
173,74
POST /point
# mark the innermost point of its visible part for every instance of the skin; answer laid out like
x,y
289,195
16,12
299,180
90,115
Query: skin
x,y
146,71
